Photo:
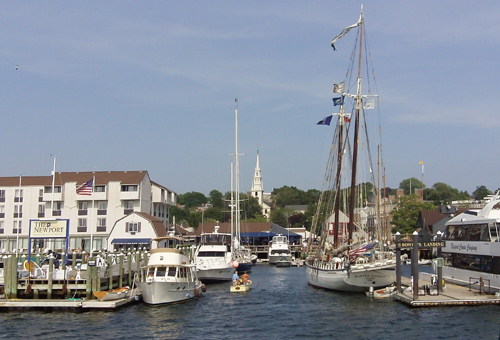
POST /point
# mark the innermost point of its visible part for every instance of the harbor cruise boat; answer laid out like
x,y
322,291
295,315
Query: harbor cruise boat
x,y
213,257
170,275
279,250
472,247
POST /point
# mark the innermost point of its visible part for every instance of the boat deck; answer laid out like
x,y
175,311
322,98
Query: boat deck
x,y
452,295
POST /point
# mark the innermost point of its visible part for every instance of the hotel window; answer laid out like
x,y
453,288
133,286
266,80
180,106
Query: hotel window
x,y
58,189
82,225
40,195
100,188
1,227
129,187
101,224
41,210
17,227
2,211
128,207
18,211
2,195
82,207
18,196
56,208
102,206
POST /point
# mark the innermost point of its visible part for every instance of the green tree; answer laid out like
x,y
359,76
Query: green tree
x,y
279,217
409,185
192,199
405,214
481,192
216,198
213,215
442,193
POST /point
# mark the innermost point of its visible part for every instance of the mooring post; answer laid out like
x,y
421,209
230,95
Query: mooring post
x,y
129,269
7,275
15,276
120,268
438,265
49,274
414,265
398,263
109,261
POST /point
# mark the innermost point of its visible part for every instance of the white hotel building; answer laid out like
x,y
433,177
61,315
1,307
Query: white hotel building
x,y
116,194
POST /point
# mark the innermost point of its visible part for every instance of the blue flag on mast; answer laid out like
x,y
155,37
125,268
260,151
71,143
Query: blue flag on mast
x,y
338,101
325,121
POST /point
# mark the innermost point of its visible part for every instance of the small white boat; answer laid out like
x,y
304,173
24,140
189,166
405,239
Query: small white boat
x,y
382,293
279,248
113,294
241,287
213,257
170,275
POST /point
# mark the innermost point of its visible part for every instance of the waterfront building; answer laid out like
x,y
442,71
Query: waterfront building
x,y
104,198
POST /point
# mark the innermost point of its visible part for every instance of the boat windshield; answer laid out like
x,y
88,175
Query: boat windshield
x,y
215,239
211,254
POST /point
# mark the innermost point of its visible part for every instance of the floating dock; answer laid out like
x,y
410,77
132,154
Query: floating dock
x,y
452,295
74,304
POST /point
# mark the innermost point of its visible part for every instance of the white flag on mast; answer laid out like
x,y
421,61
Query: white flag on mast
x,y
345,31
369,104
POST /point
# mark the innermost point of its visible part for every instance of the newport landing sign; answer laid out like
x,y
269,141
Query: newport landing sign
x,y
421,245
48,229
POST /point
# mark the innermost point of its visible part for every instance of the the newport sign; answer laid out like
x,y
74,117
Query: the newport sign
x,y
49,229
421,245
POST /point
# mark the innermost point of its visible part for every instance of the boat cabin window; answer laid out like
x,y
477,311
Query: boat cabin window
x,y
171,271
494,232
211,254
151,272
182,272
467,232
161,271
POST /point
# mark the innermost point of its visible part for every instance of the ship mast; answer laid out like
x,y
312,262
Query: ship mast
x,y
356,133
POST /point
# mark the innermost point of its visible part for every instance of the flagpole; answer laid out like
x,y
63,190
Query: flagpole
x,y
422,180
19,214
92,219
53,180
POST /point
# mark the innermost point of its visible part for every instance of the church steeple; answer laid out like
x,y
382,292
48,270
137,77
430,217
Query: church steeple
x,y
257,185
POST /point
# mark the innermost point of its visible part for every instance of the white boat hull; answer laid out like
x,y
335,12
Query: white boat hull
x,y
215,274
463,277
155,293
273,259
355,280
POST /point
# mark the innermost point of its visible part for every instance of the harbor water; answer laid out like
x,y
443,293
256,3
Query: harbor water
x,y
280,305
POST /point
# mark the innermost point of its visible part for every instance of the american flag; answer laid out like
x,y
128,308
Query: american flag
x,y
85,188
355,252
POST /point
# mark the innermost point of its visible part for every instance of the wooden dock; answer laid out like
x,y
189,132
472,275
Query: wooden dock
x,y
452,295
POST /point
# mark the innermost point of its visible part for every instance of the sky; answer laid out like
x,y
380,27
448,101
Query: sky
x,y
128,85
